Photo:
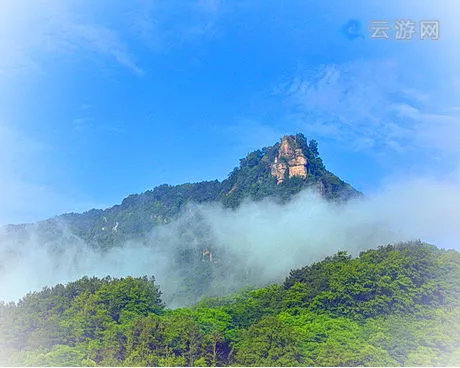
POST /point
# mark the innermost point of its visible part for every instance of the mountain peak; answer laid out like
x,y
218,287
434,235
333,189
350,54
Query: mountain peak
x,y
283,170
291,159
280,172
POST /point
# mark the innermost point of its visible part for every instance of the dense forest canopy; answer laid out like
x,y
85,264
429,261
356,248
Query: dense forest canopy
x,y
395,305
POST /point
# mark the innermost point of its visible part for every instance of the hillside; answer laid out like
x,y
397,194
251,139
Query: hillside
x,y
279,171
191,254
392,306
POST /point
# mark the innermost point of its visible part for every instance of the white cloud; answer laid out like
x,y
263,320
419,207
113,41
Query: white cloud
x,y
263,236
98,39
348,101
368,105
31,31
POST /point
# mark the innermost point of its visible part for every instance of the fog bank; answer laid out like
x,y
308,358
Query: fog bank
x,y
265,237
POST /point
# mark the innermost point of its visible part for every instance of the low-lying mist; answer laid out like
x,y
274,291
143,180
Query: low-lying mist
x,y
256,244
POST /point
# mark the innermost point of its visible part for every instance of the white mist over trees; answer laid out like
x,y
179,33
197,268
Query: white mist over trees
x,y
261,241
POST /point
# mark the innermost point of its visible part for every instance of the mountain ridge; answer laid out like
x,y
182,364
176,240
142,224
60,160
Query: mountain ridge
x,y
279,171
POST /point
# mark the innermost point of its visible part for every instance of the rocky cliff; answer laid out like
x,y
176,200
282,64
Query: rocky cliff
x,y
290,161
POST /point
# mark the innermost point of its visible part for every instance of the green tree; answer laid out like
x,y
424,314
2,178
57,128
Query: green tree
x,y
214,326
268,342
182,336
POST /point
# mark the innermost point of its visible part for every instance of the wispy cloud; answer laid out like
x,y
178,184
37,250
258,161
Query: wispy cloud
x,y
348,102
367,104
80,36
30,31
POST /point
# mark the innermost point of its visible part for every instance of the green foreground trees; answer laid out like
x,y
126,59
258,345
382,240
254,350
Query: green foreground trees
x,y
396,305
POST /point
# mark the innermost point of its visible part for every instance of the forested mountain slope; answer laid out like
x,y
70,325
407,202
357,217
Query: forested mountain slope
x,y
395,305
279,171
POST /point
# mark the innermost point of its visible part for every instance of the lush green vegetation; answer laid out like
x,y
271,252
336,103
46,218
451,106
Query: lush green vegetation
x,y
253,178
140,213
137,215
396,305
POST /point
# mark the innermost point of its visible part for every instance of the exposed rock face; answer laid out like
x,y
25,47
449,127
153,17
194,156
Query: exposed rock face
x,y
279,170
290,160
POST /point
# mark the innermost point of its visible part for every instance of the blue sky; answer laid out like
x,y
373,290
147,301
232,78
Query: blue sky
x,y
101,99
